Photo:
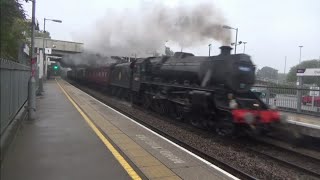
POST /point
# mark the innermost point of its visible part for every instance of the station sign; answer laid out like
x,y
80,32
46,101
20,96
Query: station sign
x,y
301,70
26,49
308,72
47,50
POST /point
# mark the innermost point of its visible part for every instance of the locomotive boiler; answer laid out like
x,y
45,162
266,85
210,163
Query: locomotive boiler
x,y
235,72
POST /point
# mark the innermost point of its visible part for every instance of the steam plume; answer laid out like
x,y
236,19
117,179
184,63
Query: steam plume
x,y
144,30
87,59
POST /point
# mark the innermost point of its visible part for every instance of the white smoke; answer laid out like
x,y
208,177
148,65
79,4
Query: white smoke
x,y
144,30
87,59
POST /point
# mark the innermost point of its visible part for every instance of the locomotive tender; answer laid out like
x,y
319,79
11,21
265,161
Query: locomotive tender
x,y
210,92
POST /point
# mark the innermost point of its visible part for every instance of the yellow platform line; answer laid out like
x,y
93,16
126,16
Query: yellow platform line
x,y
115,153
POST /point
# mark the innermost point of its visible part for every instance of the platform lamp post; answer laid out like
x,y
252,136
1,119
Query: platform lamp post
x,y
236,43
32,80
300,54
43,51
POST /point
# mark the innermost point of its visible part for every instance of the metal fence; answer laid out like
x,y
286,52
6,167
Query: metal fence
x,y
14,90
300,100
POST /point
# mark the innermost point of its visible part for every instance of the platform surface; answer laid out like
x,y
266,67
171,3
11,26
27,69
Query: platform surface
x,y
301,124
62,144
302,119
58,145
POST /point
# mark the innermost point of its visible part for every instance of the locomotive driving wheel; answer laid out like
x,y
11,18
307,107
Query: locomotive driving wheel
x,y
146,101
195,122
179,113
159,107
225,127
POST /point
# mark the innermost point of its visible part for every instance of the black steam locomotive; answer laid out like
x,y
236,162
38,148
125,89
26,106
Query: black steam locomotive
x,y
209,92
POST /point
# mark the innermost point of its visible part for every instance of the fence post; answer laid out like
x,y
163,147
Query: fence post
x,y
267,96
299,94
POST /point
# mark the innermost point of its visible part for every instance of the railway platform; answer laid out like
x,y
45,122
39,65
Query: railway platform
x,y
304,124
77,137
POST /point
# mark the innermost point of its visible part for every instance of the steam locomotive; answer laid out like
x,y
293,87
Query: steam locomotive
x,y
209,92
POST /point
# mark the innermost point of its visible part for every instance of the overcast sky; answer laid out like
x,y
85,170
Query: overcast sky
x,y
273,28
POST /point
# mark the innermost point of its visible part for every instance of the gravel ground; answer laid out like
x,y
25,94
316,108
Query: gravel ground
x,y
307,162
223,149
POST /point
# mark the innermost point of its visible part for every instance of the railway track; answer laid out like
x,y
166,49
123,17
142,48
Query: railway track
x,y
295,165
290,157
313,153
226,166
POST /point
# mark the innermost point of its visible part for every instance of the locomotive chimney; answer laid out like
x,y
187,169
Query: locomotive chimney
x,y
225,50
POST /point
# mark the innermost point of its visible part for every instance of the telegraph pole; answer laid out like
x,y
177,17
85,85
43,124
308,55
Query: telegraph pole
x,y
32,80
285,64
43,57
300,54
235,46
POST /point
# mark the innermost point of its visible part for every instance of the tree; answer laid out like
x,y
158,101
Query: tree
x,y
267,73
282,77
14,28
292,75
41,34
